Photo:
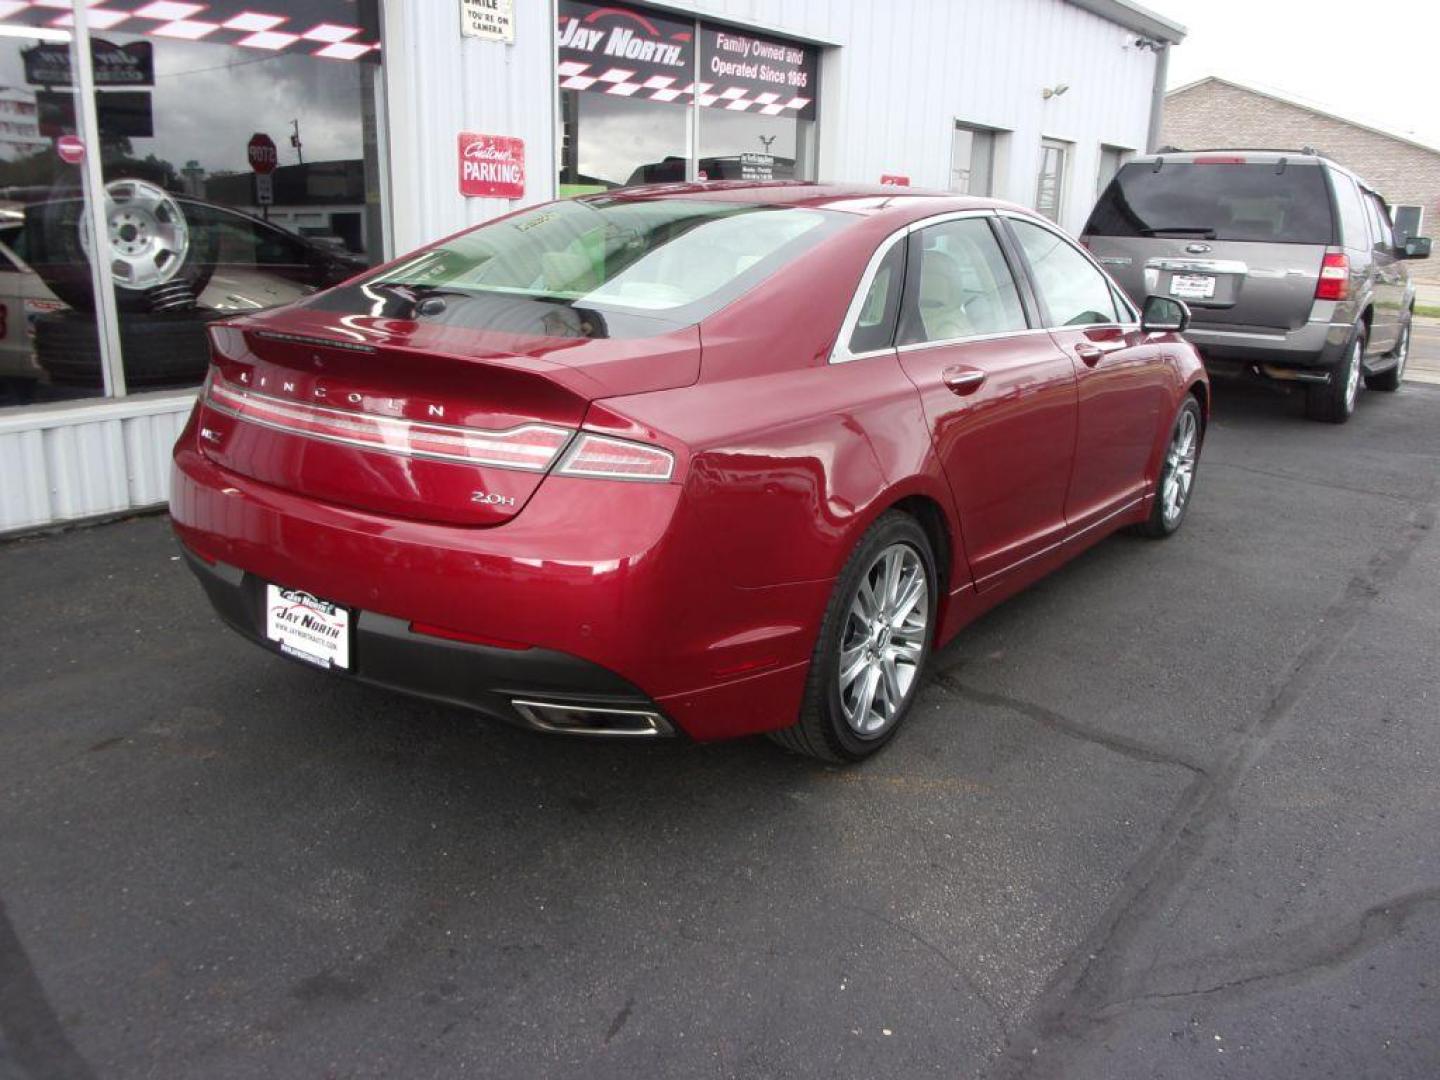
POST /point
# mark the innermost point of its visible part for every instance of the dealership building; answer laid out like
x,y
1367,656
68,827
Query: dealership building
x,y
226,156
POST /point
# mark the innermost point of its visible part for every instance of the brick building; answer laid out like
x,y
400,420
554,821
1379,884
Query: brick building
x,y
1214,112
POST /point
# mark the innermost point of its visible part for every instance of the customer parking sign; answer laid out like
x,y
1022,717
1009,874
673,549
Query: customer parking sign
x,y
492,166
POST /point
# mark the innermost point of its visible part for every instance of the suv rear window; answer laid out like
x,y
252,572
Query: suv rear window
x,y
1217,202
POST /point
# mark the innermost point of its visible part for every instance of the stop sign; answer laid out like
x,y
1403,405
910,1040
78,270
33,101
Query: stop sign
x,y
262,154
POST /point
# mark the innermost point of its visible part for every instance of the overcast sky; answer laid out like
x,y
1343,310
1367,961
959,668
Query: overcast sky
x,y
1372,61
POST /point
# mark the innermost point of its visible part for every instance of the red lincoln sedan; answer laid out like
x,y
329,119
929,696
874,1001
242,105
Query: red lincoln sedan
x,y
707,459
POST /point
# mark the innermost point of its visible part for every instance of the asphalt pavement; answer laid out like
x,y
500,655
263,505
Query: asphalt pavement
x,y
1171,813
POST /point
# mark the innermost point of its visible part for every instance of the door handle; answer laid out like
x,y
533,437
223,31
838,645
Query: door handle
x,y
962,380
1089,354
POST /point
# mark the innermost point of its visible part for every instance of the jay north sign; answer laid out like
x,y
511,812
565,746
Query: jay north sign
x,y
614,37
625,52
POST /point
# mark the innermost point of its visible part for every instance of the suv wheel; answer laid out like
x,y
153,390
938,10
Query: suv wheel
x,y
874,643
1389,379
1334,401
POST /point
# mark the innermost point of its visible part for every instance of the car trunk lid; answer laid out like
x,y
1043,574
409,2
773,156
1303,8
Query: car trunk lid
x,y
411,420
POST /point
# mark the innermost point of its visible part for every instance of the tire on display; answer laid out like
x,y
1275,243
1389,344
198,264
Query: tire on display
x,y
170,348
1389,379
1175,485
1334,401
156,251
874,643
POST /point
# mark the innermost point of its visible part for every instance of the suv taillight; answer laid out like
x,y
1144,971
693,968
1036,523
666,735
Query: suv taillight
x,y
1334,281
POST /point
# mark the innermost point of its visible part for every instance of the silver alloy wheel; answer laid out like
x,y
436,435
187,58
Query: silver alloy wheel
x,y
1180,462
1352,374
883,640
148,234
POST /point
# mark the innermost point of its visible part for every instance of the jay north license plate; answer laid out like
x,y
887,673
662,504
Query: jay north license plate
x,y
307,627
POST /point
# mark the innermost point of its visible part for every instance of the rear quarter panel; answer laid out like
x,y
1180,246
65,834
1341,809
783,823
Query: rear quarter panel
x,y
792,454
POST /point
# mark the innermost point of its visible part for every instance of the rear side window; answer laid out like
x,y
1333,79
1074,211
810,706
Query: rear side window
x,y
1251,202
875,326
1352,213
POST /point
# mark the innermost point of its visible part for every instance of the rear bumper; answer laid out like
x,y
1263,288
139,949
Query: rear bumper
x,y
1317,344
630,610
385,652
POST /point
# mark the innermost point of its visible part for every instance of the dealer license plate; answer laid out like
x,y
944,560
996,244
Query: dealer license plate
x,y
1192,286
307,627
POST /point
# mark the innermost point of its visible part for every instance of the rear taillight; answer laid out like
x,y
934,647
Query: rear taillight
x,y
616,459
1334,283
530,447
1218,159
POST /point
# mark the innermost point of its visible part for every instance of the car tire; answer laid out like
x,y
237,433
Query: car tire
x,y
1389,380
1175,484
172,348
847,715
53,235
1333,402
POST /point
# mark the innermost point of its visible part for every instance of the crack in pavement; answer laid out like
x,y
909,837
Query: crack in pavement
x,y
34,1035
1313,950
1061,723
949,963
1076,996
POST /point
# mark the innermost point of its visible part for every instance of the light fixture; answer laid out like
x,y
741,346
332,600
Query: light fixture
x,y
1054,91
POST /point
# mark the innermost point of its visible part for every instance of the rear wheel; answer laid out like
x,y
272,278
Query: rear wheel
x,y
874,643
1334,401
1389,379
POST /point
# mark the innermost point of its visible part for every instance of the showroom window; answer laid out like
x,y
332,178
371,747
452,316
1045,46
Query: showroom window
x,y
649,98
1054,170
972,160
236,145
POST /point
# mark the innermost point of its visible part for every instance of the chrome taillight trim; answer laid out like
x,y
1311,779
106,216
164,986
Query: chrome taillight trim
x,y
388,434
566,466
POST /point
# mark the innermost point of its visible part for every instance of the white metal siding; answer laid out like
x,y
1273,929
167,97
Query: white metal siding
x,y
895,77
60,465
439,84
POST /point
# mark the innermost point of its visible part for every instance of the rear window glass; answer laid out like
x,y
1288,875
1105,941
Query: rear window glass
x,y
597,267
1217,202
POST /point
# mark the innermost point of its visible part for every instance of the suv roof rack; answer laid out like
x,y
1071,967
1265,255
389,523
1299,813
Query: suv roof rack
x,y
1240,149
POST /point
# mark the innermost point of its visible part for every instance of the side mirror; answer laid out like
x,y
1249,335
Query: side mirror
x,y
1416,247
1164,315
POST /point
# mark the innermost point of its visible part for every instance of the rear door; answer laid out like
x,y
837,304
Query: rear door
x,y
1388,285
1121,377
1241,242
998,393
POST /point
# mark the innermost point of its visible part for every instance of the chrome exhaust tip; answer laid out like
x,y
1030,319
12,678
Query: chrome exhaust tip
x,y
579,719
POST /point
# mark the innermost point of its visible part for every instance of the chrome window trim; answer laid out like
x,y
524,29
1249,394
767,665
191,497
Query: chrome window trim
x,y
917,346
1051,227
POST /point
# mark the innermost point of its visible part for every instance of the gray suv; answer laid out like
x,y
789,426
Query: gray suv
x,y
1288,261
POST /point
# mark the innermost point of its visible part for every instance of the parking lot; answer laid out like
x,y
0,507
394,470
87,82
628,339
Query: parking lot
x,y
1170,813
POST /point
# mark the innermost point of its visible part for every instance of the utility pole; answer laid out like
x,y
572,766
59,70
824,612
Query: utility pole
x,y
295,140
